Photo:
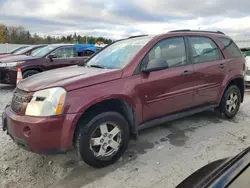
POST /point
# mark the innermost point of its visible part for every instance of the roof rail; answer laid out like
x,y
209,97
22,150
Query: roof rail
x,y
137,36
202,31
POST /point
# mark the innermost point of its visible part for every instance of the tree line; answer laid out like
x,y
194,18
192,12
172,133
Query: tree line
x,y
19,35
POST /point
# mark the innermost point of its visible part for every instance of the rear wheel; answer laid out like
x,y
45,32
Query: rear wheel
x,y
230,103
29,73
102,140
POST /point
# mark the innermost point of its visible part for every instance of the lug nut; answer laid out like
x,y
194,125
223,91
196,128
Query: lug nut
x,y
105,135
110,142
102,140
110,136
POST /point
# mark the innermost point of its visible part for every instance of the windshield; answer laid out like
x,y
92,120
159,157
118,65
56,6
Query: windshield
x,y
17,49
43,51
23,50
119,54
36,50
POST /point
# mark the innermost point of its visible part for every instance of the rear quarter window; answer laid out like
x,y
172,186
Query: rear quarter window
x,y
231,47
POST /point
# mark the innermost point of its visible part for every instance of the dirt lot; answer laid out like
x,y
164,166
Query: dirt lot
x,y
161,157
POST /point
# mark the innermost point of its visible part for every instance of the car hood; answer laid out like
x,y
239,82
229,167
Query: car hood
x,y
70,78
15,58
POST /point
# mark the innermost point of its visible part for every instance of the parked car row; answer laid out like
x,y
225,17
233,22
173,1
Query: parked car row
x,y
23,50
39,58
13,50
130,85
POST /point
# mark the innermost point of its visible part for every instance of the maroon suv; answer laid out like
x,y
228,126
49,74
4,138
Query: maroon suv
x,y
130,85
50,57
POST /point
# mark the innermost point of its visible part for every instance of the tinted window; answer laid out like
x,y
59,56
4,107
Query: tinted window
x,y
231,47
88,53
204,50
66,52
172,50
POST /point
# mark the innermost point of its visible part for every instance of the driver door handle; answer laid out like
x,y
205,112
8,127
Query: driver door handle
x,y
186,73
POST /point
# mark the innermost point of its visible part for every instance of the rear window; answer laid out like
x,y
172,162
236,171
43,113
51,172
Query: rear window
x,y
231,47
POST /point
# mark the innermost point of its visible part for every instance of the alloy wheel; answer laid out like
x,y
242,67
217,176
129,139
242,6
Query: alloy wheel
x,y
232,102
105,140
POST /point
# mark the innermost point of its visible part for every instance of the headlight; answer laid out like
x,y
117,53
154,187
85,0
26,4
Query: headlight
x,y
47,102
11,64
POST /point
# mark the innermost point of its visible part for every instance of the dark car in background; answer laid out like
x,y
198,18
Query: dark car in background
x,y
245,51
26,50
50,57
228,172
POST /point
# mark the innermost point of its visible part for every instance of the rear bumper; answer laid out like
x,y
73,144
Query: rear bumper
x,y
46,135
8,76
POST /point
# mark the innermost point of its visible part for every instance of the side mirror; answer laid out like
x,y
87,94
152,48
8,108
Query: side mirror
x,y
155,65
51,56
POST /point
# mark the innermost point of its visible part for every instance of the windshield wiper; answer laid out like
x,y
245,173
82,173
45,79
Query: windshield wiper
x,y
97,66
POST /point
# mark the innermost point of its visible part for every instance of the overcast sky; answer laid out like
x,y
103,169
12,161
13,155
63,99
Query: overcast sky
x,y
121,18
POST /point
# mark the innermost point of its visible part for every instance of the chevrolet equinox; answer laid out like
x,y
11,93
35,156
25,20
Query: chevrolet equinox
x,y
130,85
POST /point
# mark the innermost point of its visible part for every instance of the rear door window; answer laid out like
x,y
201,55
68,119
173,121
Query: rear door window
x,y
231,47
204,50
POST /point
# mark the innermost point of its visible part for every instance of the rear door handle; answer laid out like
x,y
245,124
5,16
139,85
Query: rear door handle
x,y
186,73
222,65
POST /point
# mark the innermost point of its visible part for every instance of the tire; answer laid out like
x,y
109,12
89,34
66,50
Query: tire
x,y
29,73
87,149
226,102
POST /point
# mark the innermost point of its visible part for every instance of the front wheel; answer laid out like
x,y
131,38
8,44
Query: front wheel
x,y
230,103
102,140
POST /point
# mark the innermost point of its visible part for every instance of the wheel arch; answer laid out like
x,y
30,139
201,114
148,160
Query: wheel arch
x,y
239,82
120,105
25,69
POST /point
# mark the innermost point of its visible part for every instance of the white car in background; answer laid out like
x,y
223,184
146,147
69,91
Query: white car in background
x,y
247,75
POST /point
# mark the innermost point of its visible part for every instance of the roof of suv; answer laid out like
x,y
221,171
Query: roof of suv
x,y
186,31
199,31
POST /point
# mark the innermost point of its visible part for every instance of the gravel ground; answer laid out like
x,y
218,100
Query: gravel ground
x,y
162,156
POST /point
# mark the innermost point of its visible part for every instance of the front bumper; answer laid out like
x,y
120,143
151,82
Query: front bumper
x,y
47,135
7,75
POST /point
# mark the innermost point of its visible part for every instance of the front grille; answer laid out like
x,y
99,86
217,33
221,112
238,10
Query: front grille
x,y
19,98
